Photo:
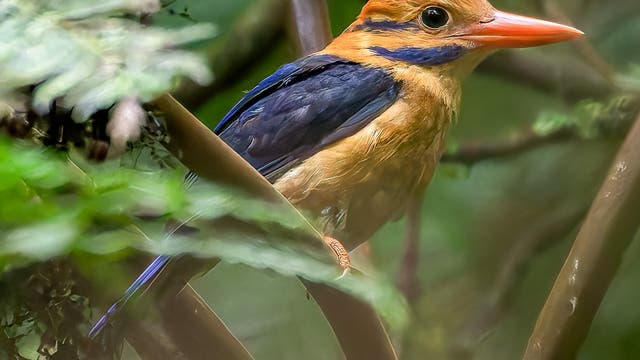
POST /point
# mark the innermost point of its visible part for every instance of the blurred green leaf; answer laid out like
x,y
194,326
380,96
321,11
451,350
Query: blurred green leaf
x,y
56,209
88,55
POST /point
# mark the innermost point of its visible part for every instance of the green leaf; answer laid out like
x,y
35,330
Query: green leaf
x,y
53,210
87,58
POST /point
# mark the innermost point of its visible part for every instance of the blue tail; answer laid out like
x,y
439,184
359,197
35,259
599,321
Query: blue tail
x,y
142,283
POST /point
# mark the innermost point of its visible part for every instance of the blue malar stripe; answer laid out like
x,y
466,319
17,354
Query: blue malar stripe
x,y
419,56
385,25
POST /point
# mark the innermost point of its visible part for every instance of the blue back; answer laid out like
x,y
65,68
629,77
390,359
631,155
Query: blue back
x,y
303,107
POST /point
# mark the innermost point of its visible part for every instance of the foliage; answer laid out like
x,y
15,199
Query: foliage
x,y
591,119
41,309
53,208
88,54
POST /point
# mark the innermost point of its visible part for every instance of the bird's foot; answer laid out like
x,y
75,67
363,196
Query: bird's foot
x,y
342,255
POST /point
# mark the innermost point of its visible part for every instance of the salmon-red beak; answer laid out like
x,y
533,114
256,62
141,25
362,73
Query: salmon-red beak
x,y
507,30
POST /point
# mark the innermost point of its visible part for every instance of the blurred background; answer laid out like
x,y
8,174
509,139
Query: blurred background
x,y
536,134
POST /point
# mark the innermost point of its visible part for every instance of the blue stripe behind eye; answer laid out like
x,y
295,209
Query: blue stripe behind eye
x,y
370,25
420,56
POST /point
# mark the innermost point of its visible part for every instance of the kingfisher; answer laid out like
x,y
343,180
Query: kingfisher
x,y
350,133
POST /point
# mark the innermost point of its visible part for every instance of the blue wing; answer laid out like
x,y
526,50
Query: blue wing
x,y
303,107
289,116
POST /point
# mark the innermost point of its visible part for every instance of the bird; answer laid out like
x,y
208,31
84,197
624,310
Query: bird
x,y
349,133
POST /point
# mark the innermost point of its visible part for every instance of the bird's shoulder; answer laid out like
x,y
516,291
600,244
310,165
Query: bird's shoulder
x,y
303,107
285,75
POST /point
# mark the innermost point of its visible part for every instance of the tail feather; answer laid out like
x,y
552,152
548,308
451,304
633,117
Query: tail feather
x,y
138,287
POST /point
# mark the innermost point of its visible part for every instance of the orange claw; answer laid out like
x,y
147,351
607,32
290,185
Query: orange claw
x,y
341,252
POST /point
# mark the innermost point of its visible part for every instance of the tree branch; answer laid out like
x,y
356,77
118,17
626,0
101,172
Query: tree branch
x,y
593,261
527,139
543,232
195,327
407,278
613,120
309,26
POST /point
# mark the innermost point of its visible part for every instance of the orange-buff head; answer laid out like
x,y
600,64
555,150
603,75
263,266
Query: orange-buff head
x,y
466,29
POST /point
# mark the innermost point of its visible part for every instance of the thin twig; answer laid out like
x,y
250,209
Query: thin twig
x,y
613,122
583,46
527,139
593,261
407,278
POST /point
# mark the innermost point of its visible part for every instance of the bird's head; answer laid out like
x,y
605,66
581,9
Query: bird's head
x,y
455,33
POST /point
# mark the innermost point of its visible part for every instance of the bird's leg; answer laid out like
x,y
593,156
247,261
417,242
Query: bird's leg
x,y
342,255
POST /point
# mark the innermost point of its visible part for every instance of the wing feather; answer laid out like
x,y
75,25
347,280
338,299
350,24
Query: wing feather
x,y
303,107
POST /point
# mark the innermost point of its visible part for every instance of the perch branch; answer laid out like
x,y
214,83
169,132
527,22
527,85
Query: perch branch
x,y
526,139
198,147
593,261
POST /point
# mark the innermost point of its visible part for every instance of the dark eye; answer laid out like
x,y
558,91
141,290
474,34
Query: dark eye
x,y
434,17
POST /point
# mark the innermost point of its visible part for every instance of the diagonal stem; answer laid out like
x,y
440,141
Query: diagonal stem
x,y
595,257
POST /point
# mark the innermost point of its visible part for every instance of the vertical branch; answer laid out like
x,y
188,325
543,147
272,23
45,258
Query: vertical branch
x,y
356,325
309,28
608,230
407,278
